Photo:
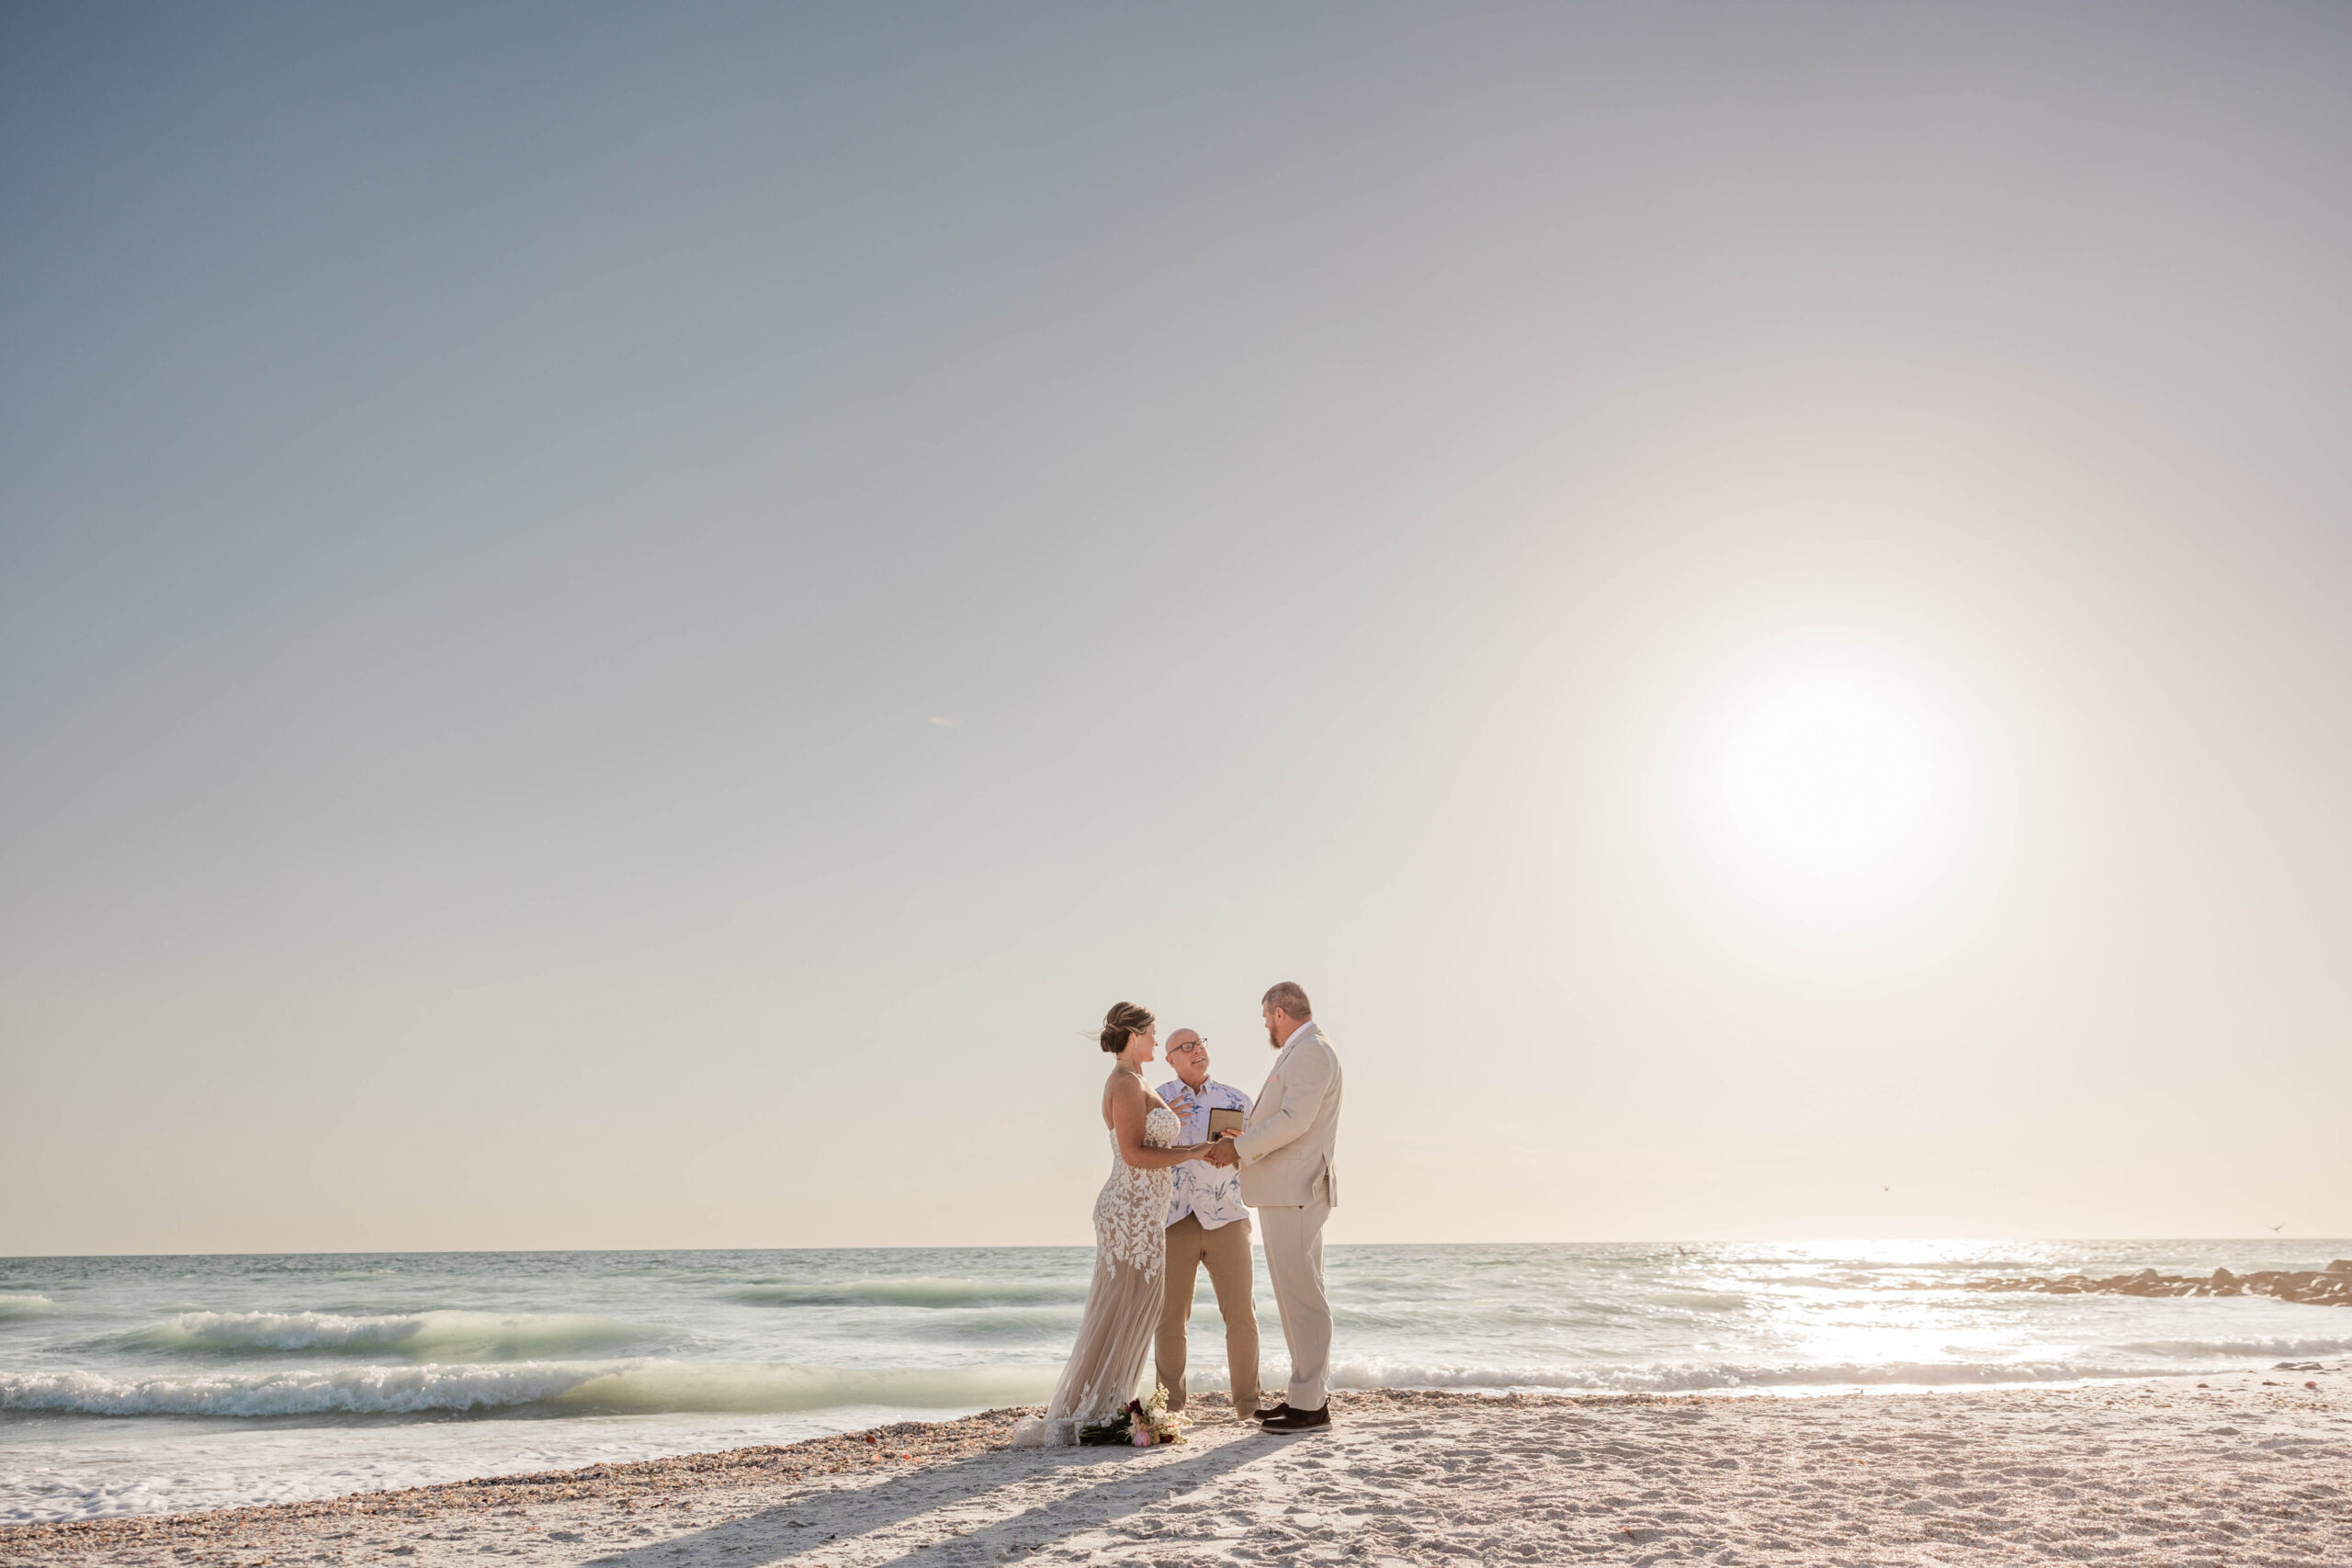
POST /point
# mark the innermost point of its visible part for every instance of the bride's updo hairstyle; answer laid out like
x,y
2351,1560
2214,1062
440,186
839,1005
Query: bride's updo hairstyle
x,y
1122,1021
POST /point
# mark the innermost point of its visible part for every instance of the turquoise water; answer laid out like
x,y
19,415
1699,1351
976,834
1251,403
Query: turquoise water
x,y
137,1384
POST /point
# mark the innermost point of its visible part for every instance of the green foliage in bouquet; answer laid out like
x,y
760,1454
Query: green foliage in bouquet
x,y
1140,1424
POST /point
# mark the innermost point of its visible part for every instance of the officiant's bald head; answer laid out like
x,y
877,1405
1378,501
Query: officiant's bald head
x,y
1189,1055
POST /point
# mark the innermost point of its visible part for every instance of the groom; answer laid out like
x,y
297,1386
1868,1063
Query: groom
x,y
1285,1152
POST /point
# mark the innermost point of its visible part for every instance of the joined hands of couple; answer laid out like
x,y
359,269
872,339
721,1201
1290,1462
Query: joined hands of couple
x,y
1219,1153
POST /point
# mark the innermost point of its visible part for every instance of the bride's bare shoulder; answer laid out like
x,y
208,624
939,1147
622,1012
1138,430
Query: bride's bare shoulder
x,y
1122,1093
1125,1089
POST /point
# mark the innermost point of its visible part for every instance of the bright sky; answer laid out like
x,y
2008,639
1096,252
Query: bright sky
x,y
619,625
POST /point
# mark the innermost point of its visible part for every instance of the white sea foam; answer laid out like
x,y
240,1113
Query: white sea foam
x,y
12,1307
577,1387
348,1391
2236,1349
424,1336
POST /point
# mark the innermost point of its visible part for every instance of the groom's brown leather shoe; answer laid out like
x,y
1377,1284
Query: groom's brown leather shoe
x,y
1298,1420
1280,1407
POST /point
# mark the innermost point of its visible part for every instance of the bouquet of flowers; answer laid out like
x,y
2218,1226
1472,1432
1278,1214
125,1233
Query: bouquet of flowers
x,y
1140,1424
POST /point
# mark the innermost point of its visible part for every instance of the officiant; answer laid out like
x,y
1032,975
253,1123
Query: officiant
x,y
1208,1226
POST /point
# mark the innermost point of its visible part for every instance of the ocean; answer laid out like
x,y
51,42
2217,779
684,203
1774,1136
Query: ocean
x,y
150,1384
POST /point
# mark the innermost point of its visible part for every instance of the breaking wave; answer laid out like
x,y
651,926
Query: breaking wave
x,y
421,1336
2212,1348
558,1387
14,1307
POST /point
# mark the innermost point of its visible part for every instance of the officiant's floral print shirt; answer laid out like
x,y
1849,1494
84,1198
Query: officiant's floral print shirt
x,y
1200,1188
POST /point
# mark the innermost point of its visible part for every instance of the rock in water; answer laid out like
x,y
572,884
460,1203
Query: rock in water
x,y
2331,1288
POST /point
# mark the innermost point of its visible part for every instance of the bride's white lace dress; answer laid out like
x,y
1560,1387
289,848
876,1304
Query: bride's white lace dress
x,y
1122,1307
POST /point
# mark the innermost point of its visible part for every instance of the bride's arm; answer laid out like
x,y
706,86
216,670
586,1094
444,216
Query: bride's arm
x,y
1130,1103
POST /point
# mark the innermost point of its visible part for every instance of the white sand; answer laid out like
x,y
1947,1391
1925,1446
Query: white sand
x,y
2149,1473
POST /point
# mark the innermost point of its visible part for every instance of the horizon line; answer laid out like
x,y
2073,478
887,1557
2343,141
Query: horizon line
x,y
1088,1247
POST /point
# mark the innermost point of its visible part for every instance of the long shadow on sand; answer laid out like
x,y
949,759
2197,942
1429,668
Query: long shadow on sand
x,y
789,1529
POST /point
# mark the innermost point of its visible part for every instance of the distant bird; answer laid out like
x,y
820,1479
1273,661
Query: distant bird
x,y
2280,1226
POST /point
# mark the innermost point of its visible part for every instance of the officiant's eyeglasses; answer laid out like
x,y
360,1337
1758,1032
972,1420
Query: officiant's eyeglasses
x,y
1201,1045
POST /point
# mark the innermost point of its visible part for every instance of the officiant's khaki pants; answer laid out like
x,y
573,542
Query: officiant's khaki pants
x,y
1226,1251
1294,1240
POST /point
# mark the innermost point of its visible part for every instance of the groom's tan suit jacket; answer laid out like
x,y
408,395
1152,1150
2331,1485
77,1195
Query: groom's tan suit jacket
x,y
1288,1137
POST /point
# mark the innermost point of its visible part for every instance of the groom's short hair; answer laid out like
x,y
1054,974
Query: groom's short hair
x,y
1289,996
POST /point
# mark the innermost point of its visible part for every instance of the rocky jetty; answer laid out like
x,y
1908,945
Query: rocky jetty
x,y
2331,1286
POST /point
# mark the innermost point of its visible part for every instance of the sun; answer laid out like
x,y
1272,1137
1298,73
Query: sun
x,y
1827,779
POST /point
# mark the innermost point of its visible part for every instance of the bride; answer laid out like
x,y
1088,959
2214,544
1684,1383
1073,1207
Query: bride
x,y
1130,1241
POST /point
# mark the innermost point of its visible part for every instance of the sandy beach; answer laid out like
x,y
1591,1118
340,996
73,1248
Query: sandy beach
x,y
2253,1469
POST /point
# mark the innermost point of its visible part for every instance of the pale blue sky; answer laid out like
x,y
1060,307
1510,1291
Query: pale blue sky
x,y
618,625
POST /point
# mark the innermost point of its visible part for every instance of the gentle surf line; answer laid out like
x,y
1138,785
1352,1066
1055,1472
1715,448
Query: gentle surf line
x,y
649,1387
576,1388
443,1335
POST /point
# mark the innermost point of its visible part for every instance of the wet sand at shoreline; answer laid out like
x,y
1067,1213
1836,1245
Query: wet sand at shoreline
x,y
2255,1469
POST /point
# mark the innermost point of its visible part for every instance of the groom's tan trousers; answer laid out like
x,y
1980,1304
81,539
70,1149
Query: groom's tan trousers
x,y
1293,1239
1226,1250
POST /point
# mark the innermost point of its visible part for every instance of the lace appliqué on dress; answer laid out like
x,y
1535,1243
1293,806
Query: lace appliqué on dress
x,y
1131,1215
